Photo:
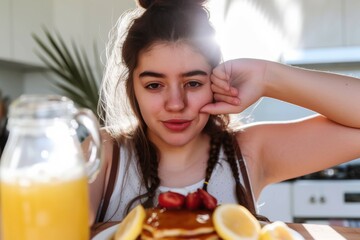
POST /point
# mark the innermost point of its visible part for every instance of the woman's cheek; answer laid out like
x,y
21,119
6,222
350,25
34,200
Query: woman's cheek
x,y
204,100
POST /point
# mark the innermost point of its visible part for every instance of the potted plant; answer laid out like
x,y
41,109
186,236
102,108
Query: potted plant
x,y
78,80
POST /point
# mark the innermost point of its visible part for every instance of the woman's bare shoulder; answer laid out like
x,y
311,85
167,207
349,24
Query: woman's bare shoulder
x,y
247,138
106,138
248,135
106,141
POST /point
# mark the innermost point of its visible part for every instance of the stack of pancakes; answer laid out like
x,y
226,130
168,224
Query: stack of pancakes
x,y
167,224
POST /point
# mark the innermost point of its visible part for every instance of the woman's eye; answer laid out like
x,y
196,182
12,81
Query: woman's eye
x,y
193,84
153,86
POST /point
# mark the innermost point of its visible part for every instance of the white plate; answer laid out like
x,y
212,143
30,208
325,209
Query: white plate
x,y
109,232
106,234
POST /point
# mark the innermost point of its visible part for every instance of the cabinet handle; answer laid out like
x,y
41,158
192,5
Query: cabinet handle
x,y
312,199
322,199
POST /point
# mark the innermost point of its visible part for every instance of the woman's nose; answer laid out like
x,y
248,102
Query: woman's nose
x,y
175,100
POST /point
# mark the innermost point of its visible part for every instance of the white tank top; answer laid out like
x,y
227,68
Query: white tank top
x,y
128,185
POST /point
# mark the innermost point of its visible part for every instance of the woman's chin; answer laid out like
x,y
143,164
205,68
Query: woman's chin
x,y
177,142
174,141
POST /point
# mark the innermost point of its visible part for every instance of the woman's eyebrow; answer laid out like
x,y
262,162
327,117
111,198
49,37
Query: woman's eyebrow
x,y
160,75
151,74
194,73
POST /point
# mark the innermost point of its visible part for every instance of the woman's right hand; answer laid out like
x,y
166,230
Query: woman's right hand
x,y
236,84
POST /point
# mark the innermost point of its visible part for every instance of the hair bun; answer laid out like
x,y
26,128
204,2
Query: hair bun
x,y
147,3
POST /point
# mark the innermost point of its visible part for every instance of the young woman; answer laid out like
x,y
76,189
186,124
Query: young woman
x,y
166,100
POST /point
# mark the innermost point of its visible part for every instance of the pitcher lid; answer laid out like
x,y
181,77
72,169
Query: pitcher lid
x,y
41,107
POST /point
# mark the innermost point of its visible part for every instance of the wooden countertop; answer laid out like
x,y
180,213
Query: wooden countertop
x,y
325,232
308,231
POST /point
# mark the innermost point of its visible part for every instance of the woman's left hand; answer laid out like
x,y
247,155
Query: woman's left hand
x,y
236,85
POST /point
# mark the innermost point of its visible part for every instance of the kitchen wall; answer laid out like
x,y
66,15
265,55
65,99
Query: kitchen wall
x,y
252,28
86,22
11,82
287,31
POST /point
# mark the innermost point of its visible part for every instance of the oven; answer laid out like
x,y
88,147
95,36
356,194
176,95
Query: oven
x,y
331,197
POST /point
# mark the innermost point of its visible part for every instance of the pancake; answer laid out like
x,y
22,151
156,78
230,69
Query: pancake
x,y
146,235
161,223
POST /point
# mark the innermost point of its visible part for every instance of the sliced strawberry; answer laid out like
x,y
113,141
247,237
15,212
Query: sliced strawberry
x,y
208,200
193,201
171,200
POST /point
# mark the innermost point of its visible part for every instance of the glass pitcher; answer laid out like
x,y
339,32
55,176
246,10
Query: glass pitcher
x,y
43,173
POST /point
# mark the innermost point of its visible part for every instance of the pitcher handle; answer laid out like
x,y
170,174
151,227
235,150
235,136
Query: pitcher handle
x,y
89,121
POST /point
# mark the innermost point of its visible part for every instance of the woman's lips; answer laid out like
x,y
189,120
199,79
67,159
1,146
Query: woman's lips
x,y
177,125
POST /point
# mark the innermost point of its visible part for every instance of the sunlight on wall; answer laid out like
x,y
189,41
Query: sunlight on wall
x,y
246,28
259,29
292,21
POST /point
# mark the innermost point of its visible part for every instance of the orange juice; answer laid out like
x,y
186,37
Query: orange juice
x,y
44,210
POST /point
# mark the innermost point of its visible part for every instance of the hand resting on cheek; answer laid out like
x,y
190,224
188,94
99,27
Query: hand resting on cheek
x,y
236,85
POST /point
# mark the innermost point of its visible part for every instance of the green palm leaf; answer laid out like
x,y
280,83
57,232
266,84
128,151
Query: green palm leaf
x,y
78,79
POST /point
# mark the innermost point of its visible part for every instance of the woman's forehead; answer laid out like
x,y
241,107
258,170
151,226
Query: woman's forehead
x,y
171,51
181,45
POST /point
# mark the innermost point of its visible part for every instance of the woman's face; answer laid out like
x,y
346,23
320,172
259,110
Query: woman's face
x,y
172,83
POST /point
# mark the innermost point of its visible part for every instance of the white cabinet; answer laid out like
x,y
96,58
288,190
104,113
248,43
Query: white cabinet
x,y
82,21
27,18
326,199
275,202
18,20
352,19
321,23
5,29
88,21
98,28
309,200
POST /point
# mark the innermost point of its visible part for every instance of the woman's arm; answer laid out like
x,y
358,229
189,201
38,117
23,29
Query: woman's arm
x,y
282,150
335,96
239,83
278,151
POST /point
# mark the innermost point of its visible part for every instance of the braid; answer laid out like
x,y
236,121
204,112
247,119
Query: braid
x,y
214,128
243,197
215,144
230,154
148,161
152,182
